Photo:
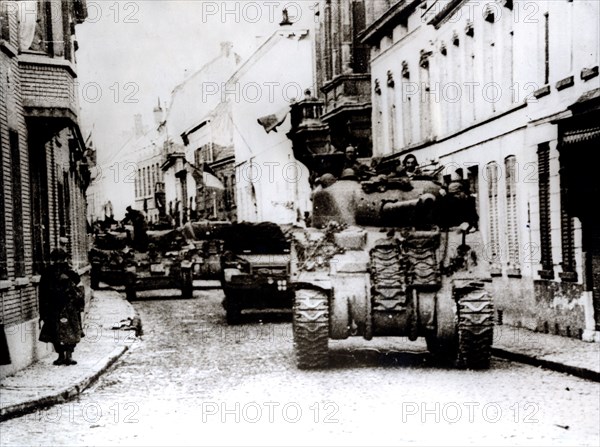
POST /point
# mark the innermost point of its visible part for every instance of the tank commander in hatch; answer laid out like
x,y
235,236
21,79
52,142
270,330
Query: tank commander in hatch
x,y
361,170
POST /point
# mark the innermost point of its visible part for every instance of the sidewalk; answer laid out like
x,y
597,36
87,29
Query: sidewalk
x,y
42,383
562,354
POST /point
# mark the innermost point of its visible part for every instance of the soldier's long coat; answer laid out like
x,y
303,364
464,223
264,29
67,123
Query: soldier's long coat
x,y
61,303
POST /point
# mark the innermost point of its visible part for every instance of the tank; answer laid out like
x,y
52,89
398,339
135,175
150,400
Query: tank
x,y
255,269
392,256
165,265
110,257
206,236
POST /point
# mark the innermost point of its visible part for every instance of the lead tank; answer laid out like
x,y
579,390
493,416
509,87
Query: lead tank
x,y
392,257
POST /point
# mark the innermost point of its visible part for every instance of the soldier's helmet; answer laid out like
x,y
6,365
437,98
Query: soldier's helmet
x,y
327,179
58,256
348,174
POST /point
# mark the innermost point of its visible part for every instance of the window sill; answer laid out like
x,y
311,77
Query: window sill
x,y
589,73
495,271
5,284
546,274
541,92
568,276
565,83
513,273
21,282
8,48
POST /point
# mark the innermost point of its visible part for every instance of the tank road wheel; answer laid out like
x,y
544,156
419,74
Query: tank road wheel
x,y
311,329
442,342
475,327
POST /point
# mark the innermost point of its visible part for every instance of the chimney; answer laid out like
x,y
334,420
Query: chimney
x,y
158,114
285,19
226,48
138,127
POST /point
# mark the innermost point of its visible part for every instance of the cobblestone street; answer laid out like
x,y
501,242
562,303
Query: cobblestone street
x,y
191,379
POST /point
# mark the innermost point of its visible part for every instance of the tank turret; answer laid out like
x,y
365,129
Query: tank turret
x,y
420,202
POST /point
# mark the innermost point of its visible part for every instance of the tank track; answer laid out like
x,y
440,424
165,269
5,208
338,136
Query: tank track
x,y
388,276
475,312
420,252
311,329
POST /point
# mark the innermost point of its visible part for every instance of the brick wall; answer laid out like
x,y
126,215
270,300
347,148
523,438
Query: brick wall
x,y
47,85
18,299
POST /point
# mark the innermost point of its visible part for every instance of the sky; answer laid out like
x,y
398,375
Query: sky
x,y
131,53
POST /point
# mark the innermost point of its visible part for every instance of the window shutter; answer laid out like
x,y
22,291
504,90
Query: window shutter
x,y
494,247
511,213
544,203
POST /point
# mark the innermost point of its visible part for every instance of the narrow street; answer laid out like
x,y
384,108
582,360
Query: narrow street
x,y
191,379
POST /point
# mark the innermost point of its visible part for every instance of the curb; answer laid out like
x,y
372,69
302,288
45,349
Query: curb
x,y
583,373
65,394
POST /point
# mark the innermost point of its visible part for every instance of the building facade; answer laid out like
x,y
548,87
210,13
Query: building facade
x,y
210,145
44,171
148,181
198,161
271,184
342,71
504,94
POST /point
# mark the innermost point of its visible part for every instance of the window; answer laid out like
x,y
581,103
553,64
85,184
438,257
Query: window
x,y
17,205
544,203
153,185
406,106
233,185
426,103
157,167
470,114
512,229
137,183
493,249
391,115
546,53
509,63
328,42
473,181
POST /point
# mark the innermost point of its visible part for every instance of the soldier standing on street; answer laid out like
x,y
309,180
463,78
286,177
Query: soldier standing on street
x,y
61,299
